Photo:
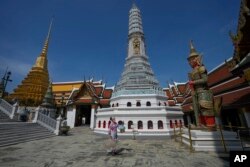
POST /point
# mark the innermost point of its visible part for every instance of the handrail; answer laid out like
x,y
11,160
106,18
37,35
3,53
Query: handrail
x,y
190,139
222,139
7,108
46,121
178,133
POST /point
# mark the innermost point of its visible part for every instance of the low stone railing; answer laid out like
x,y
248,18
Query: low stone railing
x,y
8,108
47,122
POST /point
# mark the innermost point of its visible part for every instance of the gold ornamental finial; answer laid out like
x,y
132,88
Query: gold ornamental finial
x,y
193,52
41,60
46,44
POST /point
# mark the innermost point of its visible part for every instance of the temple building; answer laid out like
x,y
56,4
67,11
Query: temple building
x,y
137,100
79,100
34,86
230,81
65,97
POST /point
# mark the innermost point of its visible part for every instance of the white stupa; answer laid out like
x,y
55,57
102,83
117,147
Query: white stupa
x,y
137,99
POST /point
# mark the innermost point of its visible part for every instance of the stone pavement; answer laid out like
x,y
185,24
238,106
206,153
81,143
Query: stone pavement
x,y
85,148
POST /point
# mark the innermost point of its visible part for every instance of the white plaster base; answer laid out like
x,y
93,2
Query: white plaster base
x,y
144,114
211,141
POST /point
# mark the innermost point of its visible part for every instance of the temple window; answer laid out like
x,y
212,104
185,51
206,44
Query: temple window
x,y
165,103
129,124
138,104
109,124
140,125
148,103
129,104
150,125
176,123
113,105
160,124
180,123
171,124
117,104
159,103
104,124
99,124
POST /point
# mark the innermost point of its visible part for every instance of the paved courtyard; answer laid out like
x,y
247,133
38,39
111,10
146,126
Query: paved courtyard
x,y
84,148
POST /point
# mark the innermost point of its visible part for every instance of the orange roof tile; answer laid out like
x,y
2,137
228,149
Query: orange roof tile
x,y
227,85
83,101
171,103
104,101
219,75
98,91
236,97
107,93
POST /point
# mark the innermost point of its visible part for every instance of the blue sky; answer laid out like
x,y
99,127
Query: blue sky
x,y
89,37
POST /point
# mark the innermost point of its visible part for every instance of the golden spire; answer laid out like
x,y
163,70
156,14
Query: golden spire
x,y
45,48
41,60
193,52
33,88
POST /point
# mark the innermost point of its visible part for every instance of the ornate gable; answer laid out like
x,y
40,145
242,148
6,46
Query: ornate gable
x,y
86,94
241,40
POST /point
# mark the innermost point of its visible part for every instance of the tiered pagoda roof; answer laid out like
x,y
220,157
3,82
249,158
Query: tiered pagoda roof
x,y
82,92
137,77
175,93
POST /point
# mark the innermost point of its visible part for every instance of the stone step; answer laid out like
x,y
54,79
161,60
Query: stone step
x,y
17,127
13,124
3,115
8,120
19,132
23,140
24,136
22,132
21,128
5,118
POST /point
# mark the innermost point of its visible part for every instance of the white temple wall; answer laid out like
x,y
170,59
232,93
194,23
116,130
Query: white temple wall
x,y
154,100
71,114
143,114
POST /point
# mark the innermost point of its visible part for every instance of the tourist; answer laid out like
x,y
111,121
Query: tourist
x,y
113,129
83,120
113,134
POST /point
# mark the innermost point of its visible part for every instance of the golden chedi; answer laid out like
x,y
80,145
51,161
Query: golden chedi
x,y
32,89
